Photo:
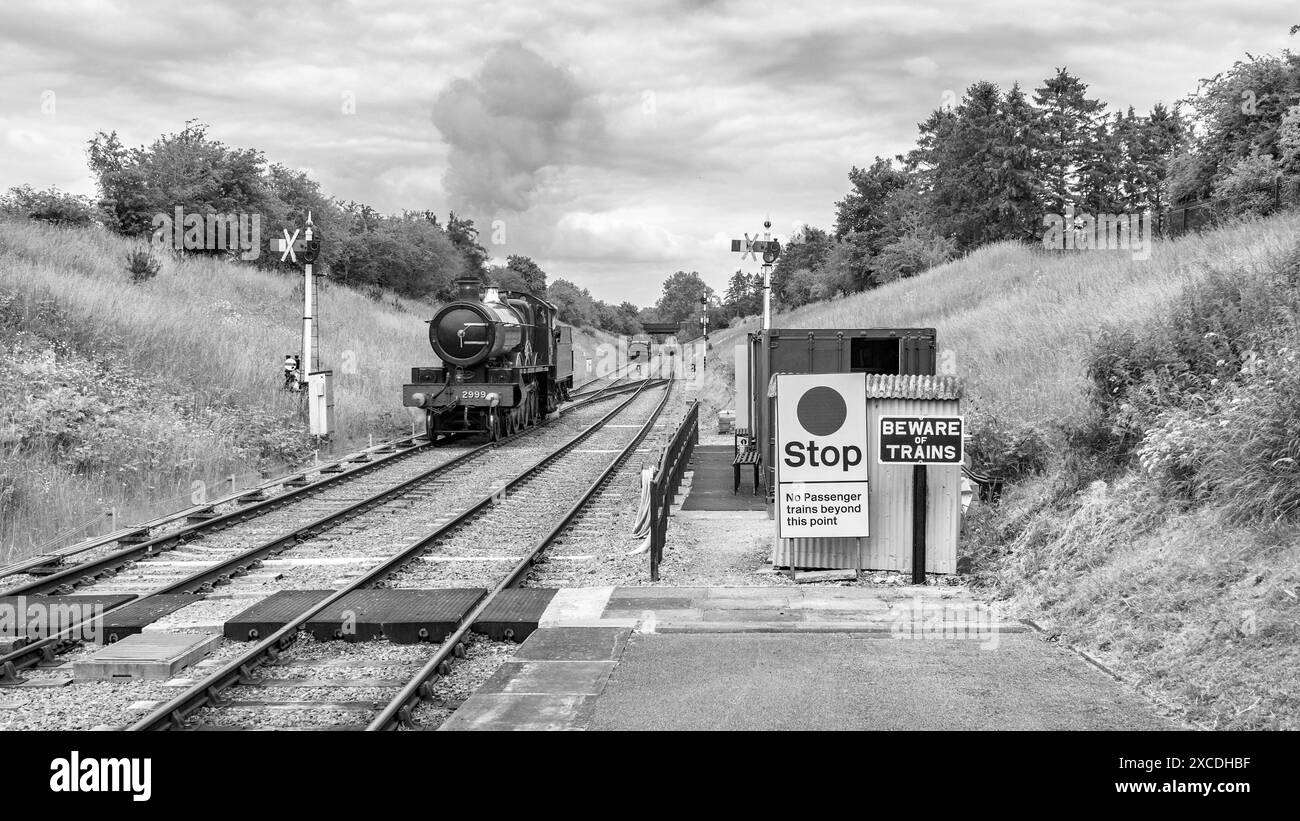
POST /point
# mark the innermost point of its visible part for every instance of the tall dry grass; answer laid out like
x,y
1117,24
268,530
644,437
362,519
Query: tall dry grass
x,y
1020,320
186,372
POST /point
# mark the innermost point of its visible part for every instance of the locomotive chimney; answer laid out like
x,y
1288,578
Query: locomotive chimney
x,y
469,288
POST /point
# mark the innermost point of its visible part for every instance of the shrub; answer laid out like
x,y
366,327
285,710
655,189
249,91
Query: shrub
x,y
142,265
52,206
1241,450
1011,452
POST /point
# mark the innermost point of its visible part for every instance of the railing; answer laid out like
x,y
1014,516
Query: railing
x,y
664,482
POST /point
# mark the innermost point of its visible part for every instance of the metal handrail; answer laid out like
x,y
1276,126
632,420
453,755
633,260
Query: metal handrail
x,y
666,479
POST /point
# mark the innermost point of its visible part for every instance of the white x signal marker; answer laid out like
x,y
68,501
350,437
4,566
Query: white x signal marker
x,y
286,245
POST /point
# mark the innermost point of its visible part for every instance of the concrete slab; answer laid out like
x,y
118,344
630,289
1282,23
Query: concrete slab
x,y
566,678
521,712
574,644
550,684
151,656
838,682
576,604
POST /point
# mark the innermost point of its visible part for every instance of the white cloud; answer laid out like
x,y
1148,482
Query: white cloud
x,y
753,109
921,66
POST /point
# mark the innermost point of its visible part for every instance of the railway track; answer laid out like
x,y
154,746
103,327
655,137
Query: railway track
x,y
290,681
237,550
312,487
198,518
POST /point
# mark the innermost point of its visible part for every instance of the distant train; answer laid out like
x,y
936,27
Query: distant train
x,y
506,363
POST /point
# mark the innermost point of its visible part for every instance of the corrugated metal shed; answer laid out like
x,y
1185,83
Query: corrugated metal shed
x,y
889,547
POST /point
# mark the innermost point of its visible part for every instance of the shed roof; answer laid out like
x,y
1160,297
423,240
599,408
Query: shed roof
x,y
904,386
913,386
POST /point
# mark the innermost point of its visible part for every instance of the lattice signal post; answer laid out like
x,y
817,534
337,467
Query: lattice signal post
x,y
771,250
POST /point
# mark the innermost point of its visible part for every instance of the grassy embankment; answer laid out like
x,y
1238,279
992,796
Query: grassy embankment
x,y
1149,411
115,394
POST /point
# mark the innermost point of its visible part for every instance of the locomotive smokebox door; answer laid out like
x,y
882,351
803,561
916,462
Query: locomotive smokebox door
x,y
320,402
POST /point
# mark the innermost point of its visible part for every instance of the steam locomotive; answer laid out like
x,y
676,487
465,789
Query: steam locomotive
x,y
506,363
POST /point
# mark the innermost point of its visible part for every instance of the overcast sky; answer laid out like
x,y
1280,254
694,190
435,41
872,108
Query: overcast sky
x,y
614,147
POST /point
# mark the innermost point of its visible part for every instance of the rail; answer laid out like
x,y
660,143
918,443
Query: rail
x,y
172,714
53,559
667,477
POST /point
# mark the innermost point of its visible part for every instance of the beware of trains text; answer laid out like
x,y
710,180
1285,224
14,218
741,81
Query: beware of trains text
x,y
921,440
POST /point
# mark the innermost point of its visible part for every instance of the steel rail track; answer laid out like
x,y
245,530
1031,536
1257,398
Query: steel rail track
x,y
398,712
66,581
404,444
173,713
585,387
205,579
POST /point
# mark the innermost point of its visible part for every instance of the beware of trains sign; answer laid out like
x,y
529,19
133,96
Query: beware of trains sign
x,y
821,455
921,440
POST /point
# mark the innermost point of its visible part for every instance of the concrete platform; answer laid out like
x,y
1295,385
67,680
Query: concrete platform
x,y
712,481
793,658
851,682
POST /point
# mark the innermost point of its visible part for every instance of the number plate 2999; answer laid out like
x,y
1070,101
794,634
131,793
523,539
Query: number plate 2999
x,y
474,394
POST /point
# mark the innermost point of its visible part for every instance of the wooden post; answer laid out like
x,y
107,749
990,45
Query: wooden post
x,y
920,500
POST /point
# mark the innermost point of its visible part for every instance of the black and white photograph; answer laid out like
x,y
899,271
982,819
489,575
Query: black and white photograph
x,y
927,372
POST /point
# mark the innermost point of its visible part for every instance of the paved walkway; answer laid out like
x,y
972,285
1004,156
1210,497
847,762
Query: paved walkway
x,y
820,657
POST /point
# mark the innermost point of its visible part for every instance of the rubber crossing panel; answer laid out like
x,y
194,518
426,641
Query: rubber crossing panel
x,y
399,615
30,618
271,614
134,617
516,610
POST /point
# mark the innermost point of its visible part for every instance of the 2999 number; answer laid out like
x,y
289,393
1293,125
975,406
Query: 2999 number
x,y
473,394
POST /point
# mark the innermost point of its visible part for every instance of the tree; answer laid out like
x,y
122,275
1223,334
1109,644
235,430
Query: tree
x,y
1069,120
533,277
53,206
808,250
859,211
186,169
574,304
744,296
681,297
1015,168
464,236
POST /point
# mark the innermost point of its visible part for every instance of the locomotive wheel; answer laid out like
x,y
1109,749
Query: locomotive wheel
x,y
494,426
431,427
